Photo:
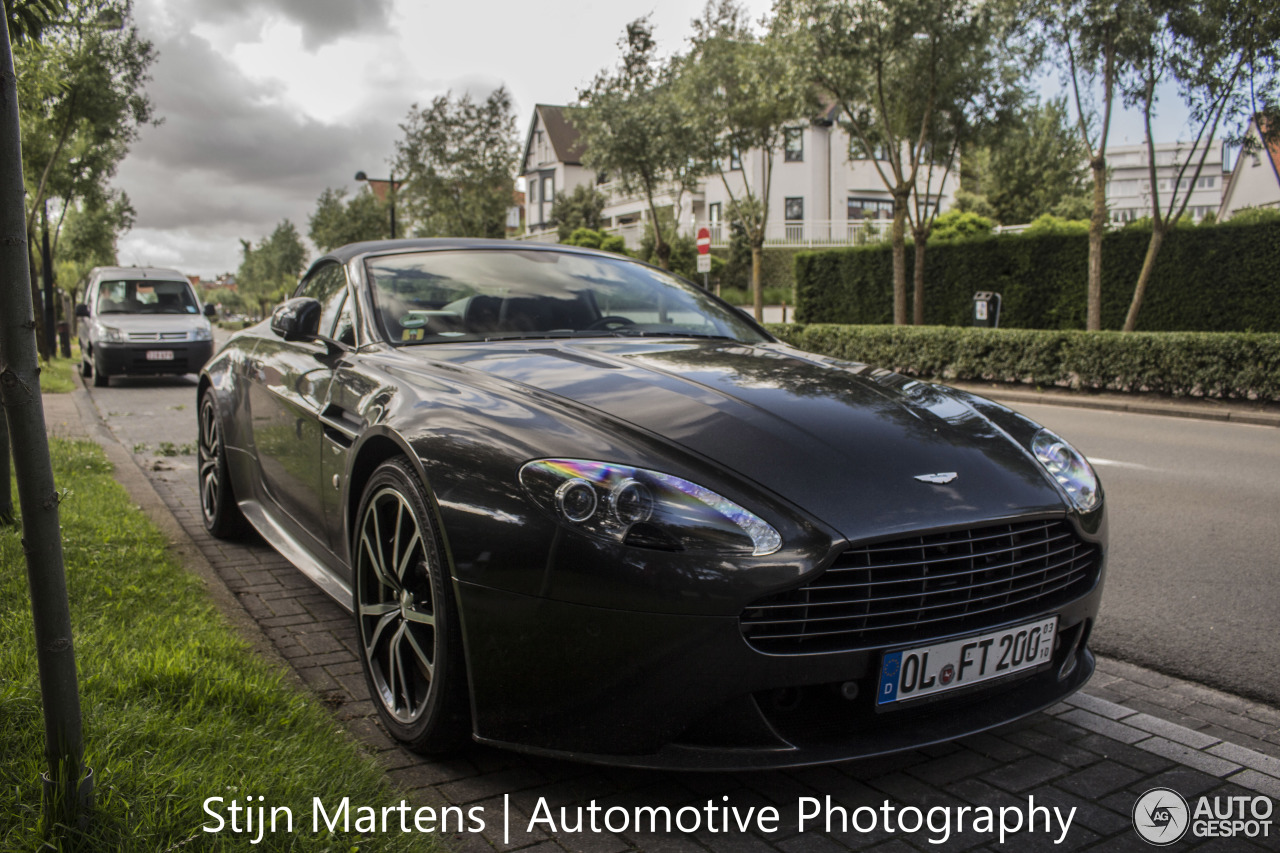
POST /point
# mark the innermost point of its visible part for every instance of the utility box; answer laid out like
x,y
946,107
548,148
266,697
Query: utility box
x,y
986,310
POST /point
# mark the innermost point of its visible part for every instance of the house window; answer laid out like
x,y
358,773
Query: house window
x,y
1206,183
548,188
533,192
869,208
715,214
793,144
793,212
735,160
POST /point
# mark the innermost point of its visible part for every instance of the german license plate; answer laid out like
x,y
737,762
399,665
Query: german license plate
x,y
929,670
159,355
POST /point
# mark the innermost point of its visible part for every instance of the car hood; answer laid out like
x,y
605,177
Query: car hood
x,y
845,442
131,323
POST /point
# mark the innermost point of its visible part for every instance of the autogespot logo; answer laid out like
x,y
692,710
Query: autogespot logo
x,y
1161,816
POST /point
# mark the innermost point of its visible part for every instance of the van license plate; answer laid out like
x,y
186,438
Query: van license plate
x,y
159,355
928,670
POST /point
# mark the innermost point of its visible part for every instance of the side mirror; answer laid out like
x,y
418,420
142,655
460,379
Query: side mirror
x,y
210,310
82,310
297,319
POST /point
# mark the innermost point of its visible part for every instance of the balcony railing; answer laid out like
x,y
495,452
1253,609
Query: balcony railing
x,y
631,233
811,232
785,234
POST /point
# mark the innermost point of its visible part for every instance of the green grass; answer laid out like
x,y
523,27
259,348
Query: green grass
x,y
55,376
176,708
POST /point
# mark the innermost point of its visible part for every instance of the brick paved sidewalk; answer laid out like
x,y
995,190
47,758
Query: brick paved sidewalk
x,y
1131,730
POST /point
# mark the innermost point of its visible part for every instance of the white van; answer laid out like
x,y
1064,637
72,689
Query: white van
x,y
141,321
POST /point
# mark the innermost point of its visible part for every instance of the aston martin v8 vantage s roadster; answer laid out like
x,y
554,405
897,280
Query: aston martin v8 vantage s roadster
x,y
580,507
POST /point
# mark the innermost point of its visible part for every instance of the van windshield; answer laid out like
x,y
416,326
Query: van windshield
x,y
149,296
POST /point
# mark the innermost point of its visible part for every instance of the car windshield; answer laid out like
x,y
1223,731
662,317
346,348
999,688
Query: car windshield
x,y
502,294
149,296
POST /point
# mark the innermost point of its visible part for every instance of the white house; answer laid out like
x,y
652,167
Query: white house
x,y
818,195
1255,181
1129,184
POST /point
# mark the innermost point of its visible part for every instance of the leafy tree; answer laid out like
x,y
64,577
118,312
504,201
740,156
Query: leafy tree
x,y
1031,166
81,90
458,157
28,19
88,234
742,94
1224,56
634,127
269,271
337,221
23,418
578,209
911,78
1093,41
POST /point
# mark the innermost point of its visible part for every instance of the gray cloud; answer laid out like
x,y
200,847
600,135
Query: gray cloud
x,y
230,160
322,21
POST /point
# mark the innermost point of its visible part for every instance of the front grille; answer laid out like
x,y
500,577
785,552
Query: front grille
x,y
157,336
927,586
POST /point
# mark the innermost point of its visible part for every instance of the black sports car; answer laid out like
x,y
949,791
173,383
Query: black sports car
x,y
580,507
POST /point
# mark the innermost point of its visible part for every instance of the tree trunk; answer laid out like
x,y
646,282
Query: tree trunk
x,y
1148,264
6,492
42,346
66,796
1097,226
921,236
757,287
899,259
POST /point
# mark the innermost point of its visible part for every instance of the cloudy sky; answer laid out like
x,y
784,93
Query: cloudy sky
x,y
268,102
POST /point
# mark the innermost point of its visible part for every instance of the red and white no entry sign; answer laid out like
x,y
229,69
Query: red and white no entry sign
x,y
704,241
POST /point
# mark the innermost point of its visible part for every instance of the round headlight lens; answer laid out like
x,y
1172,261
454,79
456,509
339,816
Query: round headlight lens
x,y
631,502
576,500
1069,468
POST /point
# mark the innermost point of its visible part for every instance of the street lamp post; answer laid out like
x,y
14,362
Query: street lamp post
x,y
391,194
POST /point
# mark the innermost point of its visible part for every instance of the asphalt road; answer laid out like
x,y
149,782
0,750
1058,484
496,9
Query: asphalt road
x,y
1193,585
1193,577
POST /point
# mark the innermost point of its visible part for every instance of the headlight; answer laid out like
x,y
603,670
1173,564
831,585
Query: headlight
x,y
110,334
202,333
646,509
1068,467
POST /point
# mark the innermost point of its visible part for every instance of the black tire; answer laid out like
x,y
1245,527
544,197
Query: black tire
x,y
218,507
100,377
406,617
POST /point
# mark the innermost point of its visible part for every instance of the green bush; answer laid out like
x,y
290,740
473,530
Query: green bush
x,y
1254,215
1049,224
1211,279
1222,365
959,225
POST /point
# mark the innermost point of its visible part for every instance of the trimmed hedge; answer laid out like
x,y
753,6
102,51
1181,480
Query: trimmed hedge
x,y
1210,279
1225,365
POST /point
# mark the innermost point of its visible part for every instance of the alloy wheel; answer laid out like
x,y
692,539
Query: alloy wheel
x,y
396,611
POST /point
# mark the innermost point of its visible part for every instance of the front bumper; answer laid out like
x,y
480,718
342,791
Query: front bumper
x,y
680,691
130,359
